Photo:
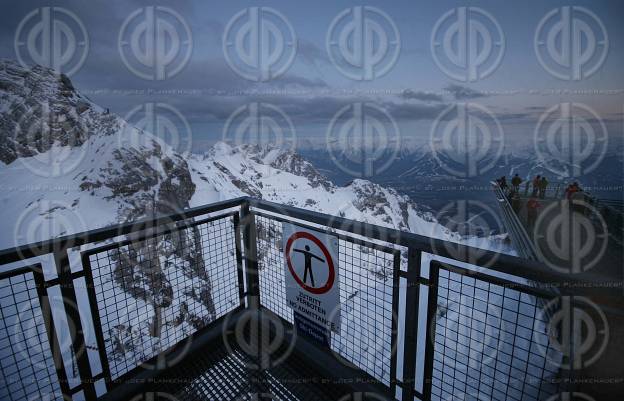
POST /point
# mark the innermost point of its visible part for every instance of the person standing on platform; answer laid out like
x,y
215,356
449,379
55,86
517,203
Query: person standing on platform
x,y
515,182
542,187
536,184
532,210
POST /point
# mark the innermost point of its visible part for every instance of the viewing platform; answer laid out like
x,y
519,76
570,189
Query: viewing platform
x,y
196,306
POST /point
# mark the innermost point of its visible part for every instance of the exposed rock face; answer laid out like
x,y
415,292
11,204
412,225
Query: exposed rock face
x,y
247,188
374,199
297,165
145,180
125,174
41,108
122,166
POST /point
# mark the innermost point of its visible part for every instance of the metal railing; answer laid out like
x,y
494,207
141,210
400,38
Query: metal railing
x,y
154,286
554,189
519,236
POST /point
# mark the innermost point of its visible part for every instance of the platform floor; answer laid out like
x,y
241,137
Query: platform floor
x,y
221,374
223,370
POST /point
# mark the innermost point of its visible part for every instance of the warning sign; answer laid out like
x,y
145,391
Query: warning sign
x,y
311,271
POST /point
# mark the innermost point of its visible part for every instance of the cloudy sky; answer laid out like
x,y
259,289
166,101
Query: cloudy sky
x,y
409,82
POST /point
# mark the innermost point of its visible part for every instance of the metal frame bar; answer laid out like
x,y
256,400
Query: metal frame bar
x,y
95,315
70,241
533,271
432,306
157,233
434,274
341,236
244,220
396,275
86,263
46,313
396,279
239,258
70,304
412,296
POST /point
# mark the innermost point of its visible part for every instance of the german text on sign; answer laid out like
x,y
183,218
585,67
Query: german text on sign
x,y
311,271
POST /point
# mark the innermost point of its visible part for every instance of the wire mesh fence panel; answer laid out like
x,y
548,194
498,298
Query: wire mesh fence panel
x,y
490,343
155,293
26,362
366,288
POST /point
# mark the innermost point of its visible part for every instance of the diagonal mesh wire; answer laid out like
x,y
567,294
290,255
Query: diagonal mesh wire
x,y
26,362
490,343
366,285
155,293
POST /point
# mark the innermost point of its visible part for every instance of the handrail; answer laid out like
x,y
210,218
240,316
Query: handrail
x,y
531,270
534,272
40,248
517,231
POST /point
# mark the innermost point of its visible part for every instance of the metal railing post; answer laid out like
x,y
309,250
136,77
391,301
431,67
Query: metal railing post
x,y
411,323
53,340
250,236
70,305
258,330
432,309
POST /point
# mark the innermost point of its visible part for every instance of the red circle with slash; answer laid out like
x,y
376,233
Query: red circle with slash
x,y
330,263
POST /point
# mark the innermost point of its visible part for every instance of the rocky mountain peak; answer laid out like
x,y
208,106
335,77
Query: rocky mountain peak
x,y
41,108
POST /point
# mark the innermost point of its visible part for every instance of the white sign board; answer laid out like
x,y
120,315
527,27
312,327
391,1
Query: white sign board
x,y
311,271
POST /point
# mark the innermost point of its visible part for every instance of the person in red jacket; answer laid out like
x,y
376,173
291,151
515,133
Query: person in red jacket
x,y
571,190
532,210
536,185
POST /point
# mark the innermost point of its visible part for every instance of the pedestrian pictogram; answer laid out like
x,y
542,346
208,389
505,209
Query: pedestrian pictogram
x,y
308,264
311,271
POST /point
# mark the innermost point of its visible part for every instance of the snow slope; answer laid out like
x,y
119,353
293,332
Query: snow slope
x,y
68,166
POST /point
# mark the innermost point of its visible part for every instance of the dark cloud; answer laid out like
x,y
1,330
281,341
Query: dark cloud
x,y
460,92
421,95
311,54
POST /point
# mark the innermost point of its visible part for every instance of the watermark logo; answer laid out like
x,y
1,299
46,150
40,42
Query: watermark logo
x,y
53,37
28,326
47,219
466,140
470,395
53,139
472,222
363,139
50,396
571,43
571,236
363,396
156,121
460,317
155,43
352,344
467,43
154,396
363,43
257,397
259,43
572,396
577,332
260,124
570,139
262,337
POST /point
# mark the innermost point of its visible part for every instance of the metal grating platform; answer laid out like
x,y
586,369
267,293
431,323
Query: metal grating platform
x,y
221,372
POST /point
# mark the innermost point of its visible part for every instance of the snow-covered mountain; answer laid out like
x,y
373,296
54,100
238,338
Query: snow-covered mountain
x,y
67,165
68,162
